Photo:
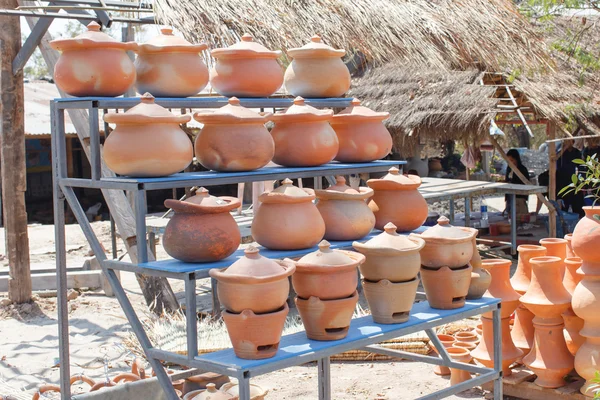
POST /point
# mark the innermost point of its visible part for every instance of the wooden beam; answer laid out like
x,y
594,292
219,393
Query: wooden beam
x,y
572,138
31,43
551,132
47,280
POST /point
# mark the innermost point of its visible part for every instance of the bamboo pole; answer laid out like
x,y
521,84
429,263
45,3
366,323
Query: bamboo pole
x,y
551,133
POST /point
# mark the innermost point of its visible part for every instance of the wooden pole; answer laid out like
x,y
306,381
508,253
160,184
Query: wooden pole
x,y
551,133
12,164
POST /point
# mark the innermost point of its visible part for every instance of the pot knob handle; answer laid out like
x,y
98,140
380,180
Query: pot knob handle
x,y
443,220
390,228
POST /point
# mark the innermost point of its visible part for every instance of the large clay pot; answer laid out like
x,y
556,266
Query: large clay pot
x,y
254,282
287,219
398,201
345,212
246,69
327,319
484,353
202,229
362,135
586,241
556,248
390,303
480,277
570,252
390,256
233,138
446,288
447,341
460,355
147,141
317,70
93,64
586,303
303,136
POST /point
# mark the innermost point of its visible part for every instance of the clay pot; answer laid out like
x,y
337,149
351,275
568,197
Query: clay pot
x,y
390,303
484,353
466,337
448,341
466,345
586,240
460,355
93,64
233,139
522,276
327,319
126,377
287,219
210,393
246,69
362,135
570,252
522,332
435,165
303,136
586,303
82,378
317,70
480,277
255,336
254,282
500,287
202,229
479,329
572,278
393,190
556,248
170,66
446,289
147,141
390,256
256,392
586,364
345,212
573,325
327,274
200,381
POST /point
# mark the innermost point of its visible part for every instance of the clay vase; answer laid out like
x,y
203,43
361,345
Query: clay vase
x,y
199,382
255,336
480,277
556,247
500,286
233,139
445,288
390,303
303,136
287,219
460,355
326,320
448,341
317,70
362,135
390,256
397,200
254,282
570,252
572,277
246,69
344,211
212,393
573,327
586,241
93,64
484,353
202,228
147,141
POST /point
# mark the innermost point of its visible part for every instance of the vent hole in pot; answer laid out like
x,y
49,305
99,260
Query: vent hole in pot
x,y
458,299
399,315
267,347
336,330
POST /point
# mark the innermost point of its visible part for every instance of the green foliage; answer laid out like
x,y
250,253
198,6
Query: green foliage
x,y
595,387
588,181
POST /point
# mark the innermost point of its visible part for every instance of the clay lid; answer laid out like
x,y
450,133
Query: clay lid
x,y
287,193
246,48
203,203
395,181
341,191
356,113
255,267
302,112
167,42
147,112
325,256
211,393
91,39
315,48
390,241
444,230
232,113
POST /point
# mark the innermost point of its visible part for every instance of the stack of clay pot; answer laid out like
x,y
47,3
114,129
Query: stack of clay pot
x,y
390,274
325,282
447,341
254,291
480,277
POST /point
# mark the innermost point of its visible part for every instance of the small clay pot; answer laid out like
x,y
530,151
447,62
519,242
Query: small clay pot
x,y
480,277
200,381
556,247
570,252
390,303
484,353
572,277
447,341
466,345
461,355
256,392
500,287
210,393
327,319
446,289
573,327
522,276
467,337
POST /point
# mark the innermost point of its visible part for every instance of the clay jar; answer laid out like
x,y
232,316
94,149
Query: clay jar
x,y
202,229
389,302
254,282
93,64
586,303
397,200
317,70
345,212
480,278
170,66
199,382
446,288
303,136
326,320
287,219
362,135
586,240
246,69
147,141
233,138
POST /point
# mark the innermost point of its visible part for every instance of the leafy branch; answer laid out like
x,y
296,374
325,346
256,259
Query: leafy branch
x,y
588,182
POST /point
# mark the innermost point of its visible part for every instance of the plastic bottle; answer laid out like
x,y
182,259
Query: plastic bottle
x,y
484,214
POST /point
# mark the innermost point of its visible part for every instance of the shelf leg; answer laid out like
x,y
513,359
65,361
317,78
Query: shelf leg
x,y
451,210
497,350
244,383
140,225
513,225
467,211
191,316
324,379
215,299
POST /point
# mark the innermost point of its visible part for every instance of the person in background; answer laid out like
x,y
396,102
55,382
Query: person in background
x,y
543,180
565,168
592,147
521,201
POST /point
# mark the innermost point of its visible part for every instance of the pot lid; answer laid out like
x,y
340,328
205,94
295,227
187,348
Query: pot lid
x,y
341,191
90,39
246,48
287,193
203,202
394,180
203,198
232,113
211,393
390,239
357,112
340,186
315,48
443,229
302,112
147,112
167,42
325,256
255,265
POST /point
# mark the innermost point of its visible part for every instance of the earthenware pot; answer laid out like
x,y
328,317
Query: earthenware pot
x,y
397,200
500,287
287,219
345,212
570,252
460,355
586,364
147,141
246,69
446,288
390,256
586,240
573,325
126,377
467,337
317,70
480,277
556,247
82,378
233,138
200,381
466,345
447,341
390,303
212,393
572,278
435,165
484,353
362,135
327,319
93,64
303,136
256,392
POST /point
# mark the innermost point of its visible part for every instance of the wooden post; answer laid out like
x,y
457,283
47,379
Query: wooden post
x,y
14,175
551,133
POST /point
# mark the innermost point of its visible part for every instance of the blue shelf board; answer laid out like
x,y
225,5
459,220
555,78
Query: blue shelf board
x,y
208,99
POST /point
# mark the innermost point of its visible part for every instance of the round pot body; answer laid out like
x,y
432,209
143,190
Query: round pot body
x,y
586,303
346,219
256,392
327,319
304,144
446,289
484,353
390,303
522,276
407,209
199,382
586,240
587,360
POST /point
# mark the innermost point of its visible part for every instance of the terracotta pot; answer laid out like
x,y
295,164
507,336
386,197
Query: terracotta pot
x,y
126,377
484,353
447,341
327,274
435,165
460,355
586,303
390,256
317,70
446,289
44,389
246,69
394,189
170,66
570,252
523,332
256,392
573,325
202,229
233,139
147,141
500,287
467,337
200,381
479,329
255,336
466,345
303,136
572,278
254,282
522,276
586,364
480,277
345,212
586,240
326,319
362,135
93,64
390,303
82,378
210,393
556,248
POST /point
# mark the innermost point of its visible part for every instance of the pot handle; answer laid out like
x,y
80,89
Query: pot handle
x,y
126,377
45,388
138,369
82,378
